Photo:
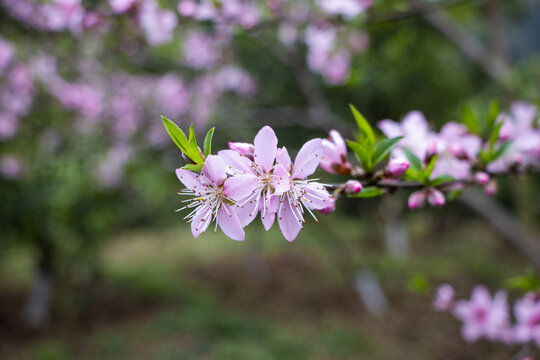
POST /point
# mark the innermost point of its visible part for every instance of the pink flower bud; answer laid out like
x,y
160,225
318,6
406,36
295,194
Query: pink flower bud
x,y
416,200
330,208
481,178
491,188
396,168
242,148
444,298
353,187
436,198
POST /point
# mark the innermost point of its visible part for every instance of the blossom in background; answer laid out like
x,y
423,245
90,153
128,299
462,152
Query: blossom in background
x,y
455,148
172,95
11,166
121,6
6,54
334,154
214,196
435,197
444,298
396,167
353,187
482,315
416,200
200,50
347,8
527,312
417,137
157,24
518,128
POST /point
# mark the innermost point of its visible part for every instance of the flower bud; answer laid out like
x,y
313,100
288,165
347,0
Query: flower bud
x,y
330,208
396,168
491,188
444,298
416,200
353,187
242,148
436,197
481,178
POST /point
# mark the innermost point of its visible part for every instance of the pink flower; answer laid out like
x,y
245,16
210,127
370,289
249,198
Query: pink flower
x,y
444,298
435,197
272,180
416,200
10,167
6,54
527,311
199,50
8,126
334,155
122,6
158,25
353,187
214,193
234,78
245,149
395,168
483,316
491,188
347,8
187,8
481,178
330,208
302,193
416,135
172,95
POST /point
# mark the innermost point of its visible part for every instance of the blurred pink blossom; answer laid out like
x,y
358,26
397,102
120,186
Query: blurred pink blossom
x,y
444,298
157,24
199,50
347,8
121,6
7,52
11,166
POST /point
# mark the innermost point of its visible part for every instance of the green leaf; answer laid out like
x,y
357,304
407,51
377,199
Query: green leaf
x,y
194,152
368,192
361,153
383,148
494,135
193,167
208,142
442,179
470,120
453,194
418,283
524,283
363,125
501,150
176,134
430,166
494,111
416,163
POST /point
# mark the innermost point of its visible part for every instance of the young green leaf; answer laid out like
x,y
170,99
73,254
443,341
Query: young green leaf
x,y
442,179
494,135
430,166
383,148
494,111
361,153
368,192
363,125
470,120
415,162
176,134
208,142
193,167
194,152
501,150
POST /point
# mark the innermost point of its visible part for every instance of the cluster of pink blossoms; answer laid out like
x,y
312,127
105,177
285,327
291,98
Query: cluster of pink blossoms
x,y
237,184
488,317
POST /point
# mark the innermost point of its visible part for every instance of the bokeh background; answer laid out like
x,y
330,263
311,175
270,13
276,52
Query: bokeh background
x,y
95,263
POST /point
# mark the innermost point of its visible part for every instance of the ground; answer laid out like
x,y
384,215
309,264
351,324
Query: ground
x,y
165,295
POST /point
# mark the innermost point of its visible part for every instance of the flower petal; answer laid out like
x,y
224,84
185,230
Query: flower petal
x,y
201,220
269,216
229,223
248,210
235,163
288,221
281,180
240,187
214,169
315,196
307,160
265,148
336,137
283,158
190,180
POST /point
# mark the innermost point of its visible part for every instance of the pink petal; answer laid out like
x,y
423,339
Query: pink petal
x,y
214,169
316,196
201,220
307,159
283,158
229,223
281,180
289,224
240,187
270,212
235,163
471,332
265,148
190,180
341,147
247,211
390,128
